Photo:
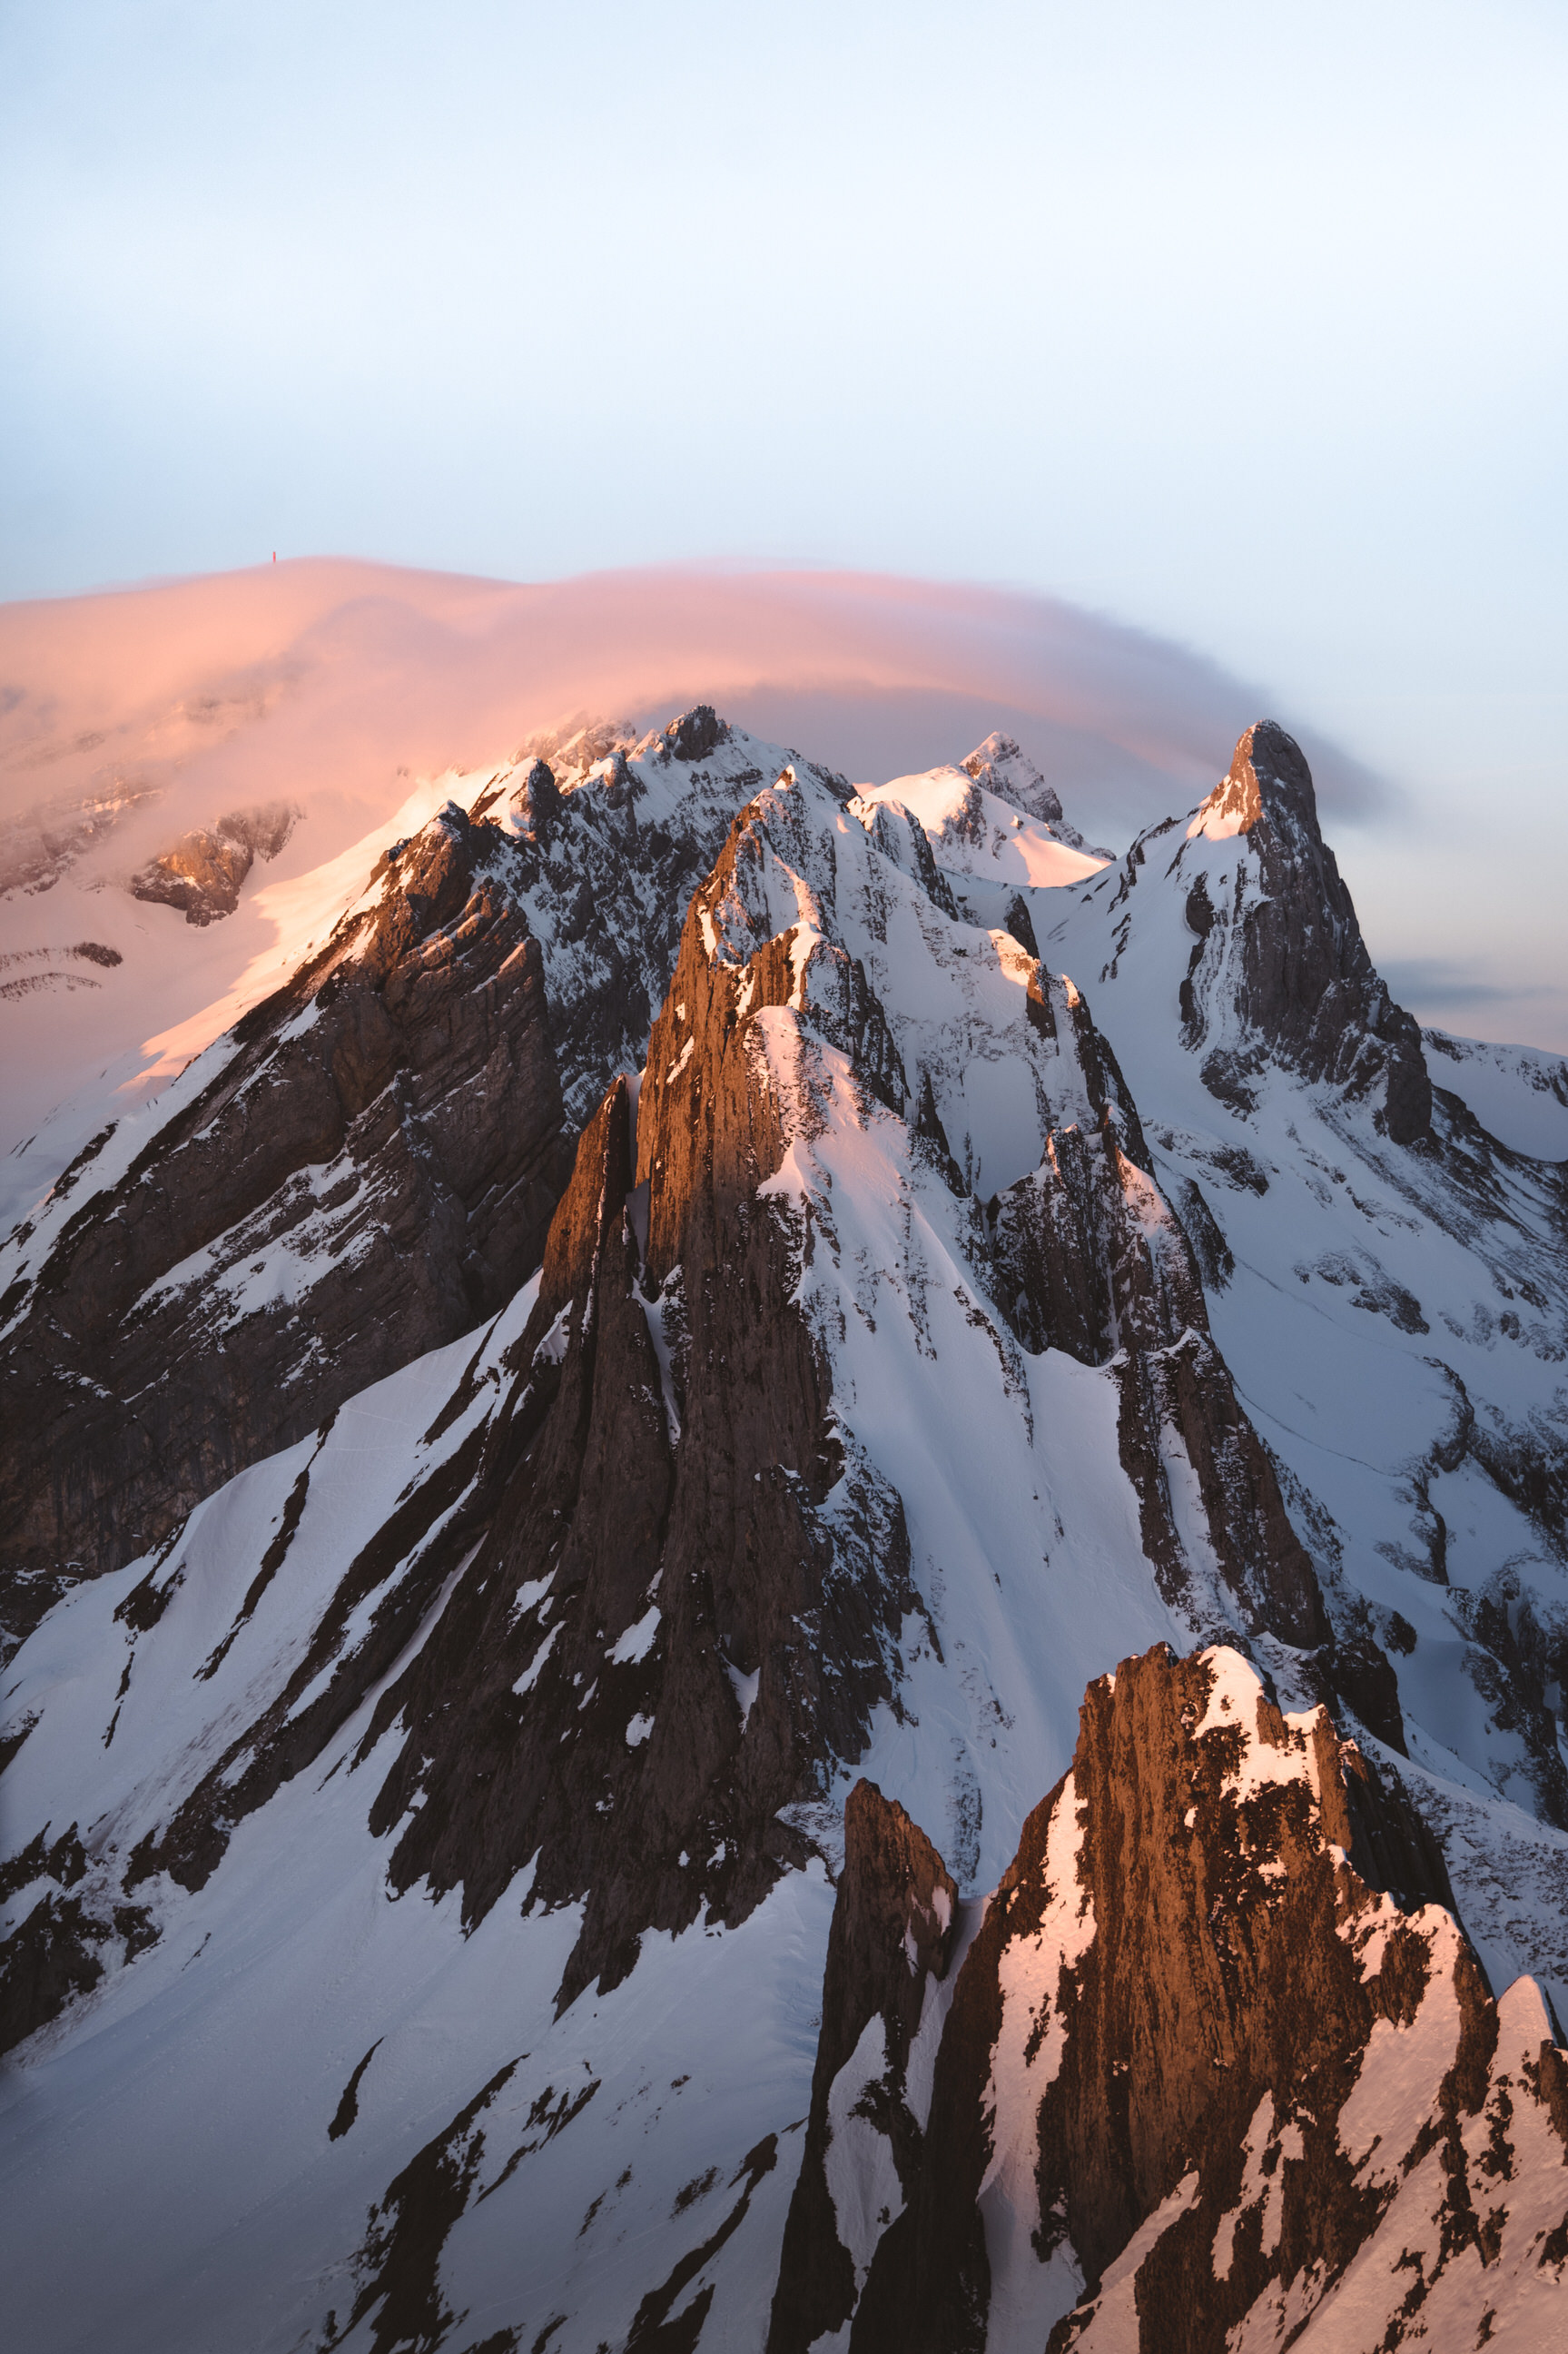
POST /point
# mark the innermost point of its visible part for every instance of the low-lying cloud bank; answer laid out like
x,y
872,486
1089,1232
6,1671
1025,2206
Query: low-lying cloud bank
x,y
315,694
358,671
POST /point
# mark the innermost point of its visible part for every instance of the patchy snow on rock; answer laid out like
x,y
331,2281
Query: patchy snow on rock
x,y
595,2170
863,2180
1029,2294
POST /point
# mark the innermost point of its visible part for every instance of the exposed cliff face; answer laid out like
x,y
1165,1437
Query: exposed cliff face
x,y
368,1163
1219,2058
648,1578
468,1773
689,1570
1281,951
1089,1259
678,1586
368,1167
682,1574
608,835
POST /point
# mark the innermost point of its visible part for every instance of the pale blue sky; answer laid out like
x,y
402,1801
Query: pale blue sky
x,y
1244,323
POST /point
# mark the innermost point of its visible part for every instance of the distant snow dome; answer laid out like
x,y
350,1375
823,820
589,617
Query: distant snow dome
x,y
973,831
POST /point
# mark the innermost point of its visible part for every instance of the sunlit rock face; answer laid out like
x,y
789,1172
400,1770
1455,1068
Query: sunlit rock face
x,y
1219,2064
202,873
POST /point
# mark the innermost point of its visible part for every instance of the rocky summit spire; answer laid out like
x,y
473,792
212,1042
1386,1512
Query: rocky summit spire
x,y
1281,964
1265,754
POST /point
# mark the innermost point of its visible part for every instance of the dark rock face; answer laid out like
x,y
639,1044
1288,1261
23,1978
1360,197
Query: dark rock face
x,y
1186,1387
696,733
1303,981
371,1170
202,873
678,1588
1168,2038
543,799
893,1932
1089,1259
714,1583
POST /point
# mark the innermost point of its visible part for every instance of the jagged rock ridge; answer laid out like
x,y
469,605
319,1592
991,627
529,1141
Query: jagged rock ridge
x,y
1382,1276
301,1184
661,1588
1279,967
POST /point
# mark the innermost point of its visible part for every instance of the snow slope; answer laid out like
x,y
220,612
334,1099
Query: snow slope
x,y
1519,1094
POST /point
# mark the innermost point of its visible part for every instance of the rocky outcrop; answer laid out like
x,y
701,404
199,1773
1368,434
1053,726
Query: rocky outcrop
x,y
714,1577
202,873
370,1168
678,1586
1282,952
671,1581
1219,2058
607,835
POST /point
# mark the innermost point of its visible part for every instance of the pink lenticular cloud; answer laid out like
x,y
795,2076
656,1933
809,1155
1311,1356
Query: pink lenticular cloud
x,y
131,718
361,668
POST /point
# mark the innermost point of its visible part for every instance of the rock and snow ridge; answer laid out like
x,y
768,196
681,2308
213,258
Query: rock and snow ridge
x,y
1393,1313
363,1164
865,1404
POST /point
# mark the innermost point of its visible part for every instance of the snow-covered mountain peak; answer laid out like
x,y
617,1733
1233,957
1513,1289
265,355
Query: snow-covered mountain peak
x,y
975,833
1004,770
1245,930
